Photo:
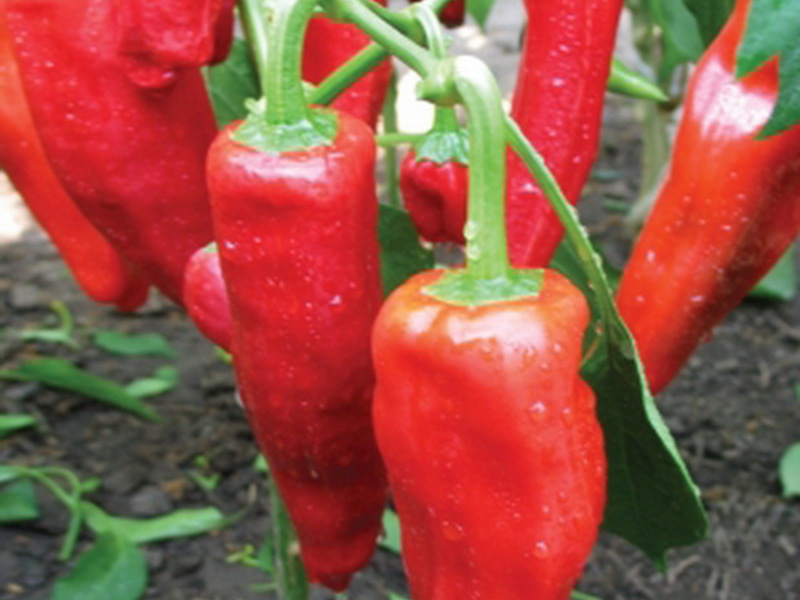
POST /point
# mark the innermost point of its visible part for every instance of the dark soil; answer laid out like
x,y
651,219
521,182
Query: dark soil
x,y
733,412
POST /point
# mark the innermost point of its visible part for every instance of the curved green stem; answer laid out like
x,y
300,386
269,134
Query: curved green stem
x,y
254,20
485,232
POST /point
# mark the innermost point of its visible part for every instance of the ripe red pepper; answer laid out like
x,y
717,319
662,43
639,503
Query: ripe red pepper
x,y
205,297
98,268
328,45
558,104
494,453
300,260
726,212
453,13
433,180
127,142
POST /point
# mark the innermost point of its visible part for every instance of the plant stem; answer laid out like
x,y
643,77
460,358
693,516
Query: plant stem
x,y
397,138
254,20
485,232
389,151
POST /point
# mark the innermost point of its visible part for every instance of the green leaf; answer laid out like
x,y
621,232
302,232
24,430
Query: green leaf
x,y
18,502
652,501
401,254
781,282
232,83
790,471
710,15
58,335
186,522
680,29
480,10
113,568
150,344
9,473
627,82
61,374
12,423
772,30
393,596
390,540
163,380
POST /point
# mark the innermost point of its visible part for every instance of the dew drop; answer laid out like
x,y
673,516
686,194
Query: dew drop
x,y
541,549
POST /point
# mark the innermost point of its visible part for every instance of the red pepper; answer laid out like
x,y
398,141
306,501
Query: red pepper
x,y
127,142
558,103
435,197
453,13
98,268
328,45
726,212
433,180
205,297
300,260
494,453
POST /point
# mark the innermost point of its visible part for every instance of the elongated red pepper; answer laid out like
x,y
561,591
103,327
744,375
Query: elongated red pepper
x,y
205,297
295,213
494,453
558,103
328,46
727,210
127,144
98,268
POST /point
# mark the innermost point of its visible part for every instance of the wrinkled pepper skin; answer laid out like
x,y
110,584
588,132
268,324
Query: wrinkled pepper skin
x,y
558,104
299,252
97,267
490,439
726,212
328,45
205,297
453,13
435,196
128,145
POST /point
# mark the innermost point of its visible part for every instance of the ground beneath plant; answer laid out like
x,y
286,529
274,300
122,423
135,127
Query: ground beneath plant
x,y
733,412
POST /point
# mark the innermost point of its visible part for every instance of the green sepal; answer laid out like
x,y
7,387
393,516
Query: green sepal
x,y
319,129
461,287
444,146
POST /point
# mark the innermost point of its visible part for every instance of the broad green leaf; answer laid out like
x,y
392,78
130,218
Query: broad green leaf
x,y
61,374
680,29
58,335
772,30
149,344
113,568
789,471
180,523
232,83
12,423
401,254
480,10
18,502
162,381
710,15
9,473
781,282
652,500
390,540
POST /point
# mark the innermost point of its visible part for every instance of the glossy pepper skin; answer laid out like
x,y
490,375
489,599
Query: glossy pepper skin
x,y
435,196
453,13
297,241
558,104
205,297
98,268
726,212
127,143
328,45
490,439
